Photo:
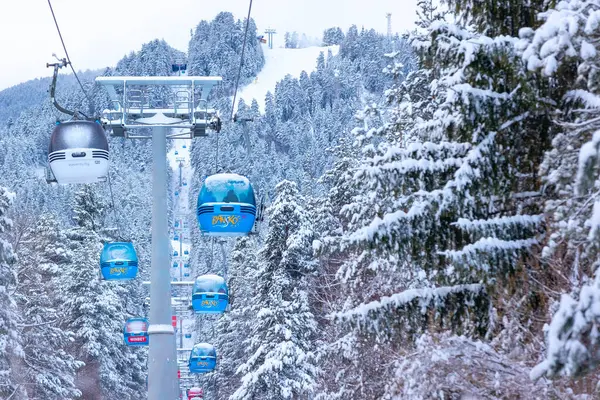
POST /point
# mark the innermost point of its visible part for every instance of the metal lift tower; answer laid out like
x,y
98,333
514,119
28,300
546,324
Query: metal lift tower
x,y
389,24
270,32
133,107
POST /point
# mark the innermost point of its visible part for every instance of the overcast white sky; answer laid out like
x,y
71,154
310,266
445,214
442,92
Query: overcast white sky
x,y
99,33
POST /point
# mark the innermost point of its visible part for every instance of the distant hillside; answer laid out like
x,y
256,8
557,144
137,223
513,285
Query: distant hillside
x,y
23,96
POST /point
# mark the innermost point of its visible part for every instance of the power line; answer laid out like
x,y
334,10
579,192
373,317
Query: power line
x,y
69,59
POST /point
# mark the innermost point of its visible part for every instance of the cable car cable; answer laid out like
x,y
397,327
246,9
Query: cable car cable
x,y
69,60
237,82
114,208
241,59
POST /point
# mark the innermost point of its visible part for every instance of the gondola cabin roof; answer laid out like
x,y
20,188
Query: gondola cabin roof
x,y
220,182
204,350
136,325
118,251
135,332
226,188
209,284
78,134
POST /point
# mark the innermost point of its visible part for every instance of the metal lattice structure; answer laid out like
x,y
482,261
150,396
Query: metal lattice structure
x,y
270,32
135,101
389,24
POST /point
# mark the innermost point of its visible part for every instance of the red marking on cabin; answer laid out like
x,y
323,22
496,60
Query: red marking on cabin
x,y
137,339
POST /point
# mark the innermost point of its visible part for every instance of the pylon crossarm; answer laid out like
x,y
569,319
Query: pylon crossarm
x,y
182,99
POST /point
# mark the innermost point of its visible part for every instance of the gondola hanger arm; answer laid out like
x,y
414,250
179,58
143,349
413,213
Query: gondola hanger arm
x,y
57,66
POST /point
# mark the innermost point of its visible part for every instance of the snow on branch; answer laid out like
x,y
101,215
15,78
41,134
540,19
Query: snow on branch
x,y
561,35
420,149
528,221
409,165
588,159
489,245
416,301
469,170
387,225
450,366
573,336
588,99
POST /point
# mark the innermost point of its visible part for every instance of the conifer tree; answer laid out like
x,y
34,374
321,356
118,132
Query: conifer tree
x,y
97,310
48,368
281,363
564,50
11,351
444,215
234,325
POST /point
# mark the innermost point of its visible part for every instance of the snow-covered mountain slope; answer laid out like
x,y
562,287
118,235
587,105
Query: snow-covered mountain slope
x,y
280,62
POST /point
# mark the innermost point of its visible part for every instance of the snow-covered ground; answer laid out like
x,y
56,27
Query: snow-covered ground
x,y
280,62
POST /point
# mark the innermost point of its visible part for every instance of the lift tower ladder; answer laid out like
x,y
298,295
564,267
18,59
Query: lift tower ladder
x,y
155,104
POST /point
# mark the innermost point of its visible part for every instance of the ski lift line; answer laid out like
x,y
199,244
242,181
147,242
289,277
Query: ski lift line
x,y
217,155
241,59
112,199
69,59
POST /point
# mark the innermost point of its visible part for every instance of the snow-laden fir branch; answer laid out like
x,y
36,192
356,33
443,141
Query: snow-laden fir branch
x,y
424,296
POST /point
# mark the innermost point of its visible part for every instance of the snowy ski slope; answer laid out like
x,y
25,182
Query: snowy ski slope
x,y
280,62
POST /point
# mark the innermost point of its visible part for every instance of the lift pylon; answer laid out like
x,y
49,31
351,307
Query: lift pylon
x,y
185,104
158,103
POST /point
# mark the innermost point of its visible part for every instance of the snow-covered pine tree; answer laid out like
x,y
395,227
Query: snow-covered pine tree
x,y
48,370
11,351
564,49
234,325
333,36
281,363
446,211
97,310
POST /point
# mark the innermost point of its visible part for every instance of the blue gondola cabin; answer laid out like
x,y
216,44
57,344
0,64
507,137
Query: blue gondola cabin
x,y
118,261
136,332
226,206
203,358
210,294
